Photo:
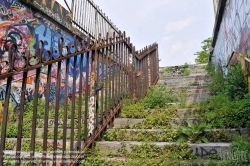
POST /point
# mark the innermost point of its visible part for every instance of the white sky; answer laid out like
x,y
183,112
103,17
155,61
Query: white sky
x,y
178,26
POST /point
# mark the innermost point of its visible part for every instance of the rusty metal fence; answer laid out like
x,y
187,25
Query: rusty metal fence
x,y
90,19
114,70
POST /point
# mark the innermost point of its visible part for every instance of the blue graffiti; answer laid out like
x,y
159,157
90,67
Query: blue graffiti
x,y
6,3
55,38
43,33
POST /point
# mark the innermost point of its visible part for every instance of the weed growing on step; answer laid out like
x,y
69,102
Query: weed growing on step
x,y
193,133
158,119
138,135
130,109
168,69
183,94
185,70
158,96
221,135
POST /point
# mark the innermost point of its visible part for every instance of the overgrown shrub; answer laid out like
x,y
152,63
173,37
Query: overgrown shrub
x,y
221,112
168,69
186,65
158,96
235,83
130,109
216,84
239,153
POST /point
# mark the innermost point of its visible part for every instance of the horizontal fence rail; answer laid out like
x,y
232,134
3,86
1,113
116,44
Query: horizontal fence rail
x,y
71,114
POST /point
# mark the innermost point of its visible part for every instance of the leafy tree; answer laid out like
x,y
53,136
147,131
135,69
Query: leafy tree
x,y
202,56
186,65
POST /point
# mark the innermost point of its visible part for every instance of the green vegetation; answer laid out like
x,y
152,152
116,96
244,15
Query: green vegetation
x,y
230,105
185,70
240,152
130,109
203,55
193,133
168,69
158,96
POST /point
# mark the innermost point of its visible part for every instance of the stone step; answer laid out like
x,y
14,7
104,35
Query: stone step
x,y
25,157
126,159
196,91
51,122
170,135
177,83
174,75
39,131
49,141
202,150
176,103
200,76
182,121
241,131
183,112
126,122
194,98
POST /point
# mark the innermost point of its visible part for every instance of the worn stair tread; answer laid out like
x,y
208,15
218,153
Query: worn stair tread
x,y
38,157
126,159
181,112
203,150
232,130
161,143
126,122
183,76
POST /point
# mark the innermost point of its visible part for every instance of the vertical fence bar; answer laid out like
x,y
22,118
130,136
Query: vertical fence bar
x,y
88,60
122,68
33,134
110,74
113,71
65,111
116,70
97,82
92,20
73,101
21,111
11,57
80,103
58,85
84,14
107,77
46,113
87,16
118,67
102,81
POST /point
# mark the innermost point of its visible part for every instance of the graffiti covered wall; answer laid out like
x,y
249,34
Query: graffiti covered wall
x,y
21,25
233,36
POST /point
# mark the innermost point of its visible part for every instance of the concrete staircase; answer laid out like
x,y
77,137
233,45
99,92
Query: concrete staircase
x,y
125,139
10,145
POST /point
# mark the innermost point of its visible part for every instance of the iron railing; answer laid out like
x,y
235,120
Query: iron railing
x,y
90,19
113,71
70,93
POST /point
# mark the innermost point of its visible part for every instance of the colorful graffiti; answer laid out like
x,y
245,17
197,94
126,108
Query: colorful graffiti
x,y
22,26
233,36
